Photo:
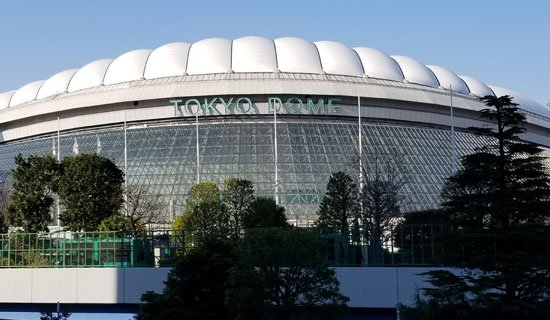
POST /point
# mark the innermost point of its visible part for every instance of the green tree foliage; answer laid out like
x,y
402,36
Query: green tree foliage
x,y
278,279
205,214
238,196
195,288
339,210
5,193
90,190
499,205
260,274
264,213
35,179
123,225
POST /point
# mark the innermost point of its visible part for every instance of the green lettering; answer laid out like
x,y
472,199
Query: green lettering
x,y
208,106
271,101
332,106
288,105
315,109
175,102
238,107
226,105
189,113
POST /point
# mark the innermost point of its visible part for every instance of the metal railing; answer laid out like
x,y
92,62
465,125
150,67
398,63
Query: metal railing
x,y
84,249
403,245
409,245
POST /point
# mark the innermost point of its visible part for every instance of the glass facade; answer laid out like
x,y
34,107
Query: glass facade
x,y
163,157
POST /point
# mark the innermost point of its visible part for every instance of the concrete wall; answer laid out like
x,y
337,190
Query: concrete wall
x,y
84,285
381,287
366,287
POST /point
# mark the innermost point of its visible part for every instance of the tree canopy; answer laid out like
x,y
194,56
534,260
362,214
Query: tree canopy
x,y
264,213
266,270
339,209
35,179
283,274
227,215
90,190
205,213
5,192
195,288
263,275
499,207
238,196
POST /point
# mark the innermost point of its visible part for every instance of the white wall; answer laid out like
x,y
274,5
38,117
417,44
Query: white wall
x,y
372,287
79,285
381,287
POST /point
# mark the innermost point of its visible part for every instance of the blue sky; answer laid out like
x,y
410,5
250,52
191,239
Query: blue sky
x,y
504,43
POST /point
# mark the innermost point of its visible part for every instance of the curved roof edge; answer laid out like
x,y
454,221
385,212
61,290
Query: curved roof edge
x,y
255,54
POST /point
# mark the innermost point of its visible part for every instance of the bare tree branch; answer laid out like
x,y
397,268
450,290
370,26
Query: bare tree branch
x,y
381,197
143,208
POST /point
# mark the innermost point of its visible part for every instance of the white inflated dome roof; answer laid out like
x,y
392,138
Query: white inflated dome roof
x,y
256,54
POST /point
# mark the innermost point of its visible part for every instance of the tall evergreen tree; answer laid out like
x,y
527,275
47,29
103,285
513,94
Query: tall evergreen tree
x,y
499,205
339,210
238,196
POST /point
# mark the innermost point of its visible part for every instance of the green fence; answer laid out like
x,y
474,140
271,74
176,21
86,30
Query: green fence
x,y
83,249
403,246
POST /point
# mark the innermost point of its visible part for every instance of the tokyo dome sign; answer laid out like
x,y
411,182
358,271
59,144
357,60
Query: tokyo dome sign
x,y
244,105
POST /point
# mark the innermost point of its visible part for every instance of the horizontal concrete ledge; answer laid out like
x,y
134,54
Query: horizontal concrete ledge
x,y
79,285
367,287
381,287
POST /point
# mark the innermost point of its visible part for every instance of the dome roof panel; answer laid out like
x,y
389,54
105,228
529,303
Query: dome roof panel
x,y
209,56
297,55
56,84
128,67
337,58
524,102
379,65
26,93
448,79
253,54
416,72
477,87
5,98
168,60
91,75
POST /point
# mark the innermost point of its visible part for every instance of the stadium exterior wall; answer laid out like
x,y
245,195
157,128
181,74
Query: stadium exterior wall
x,y
403,123
405,106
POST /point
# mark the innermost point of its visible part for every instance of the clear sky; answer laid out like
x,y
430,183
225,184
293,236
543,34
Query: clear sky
x,y
504,43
